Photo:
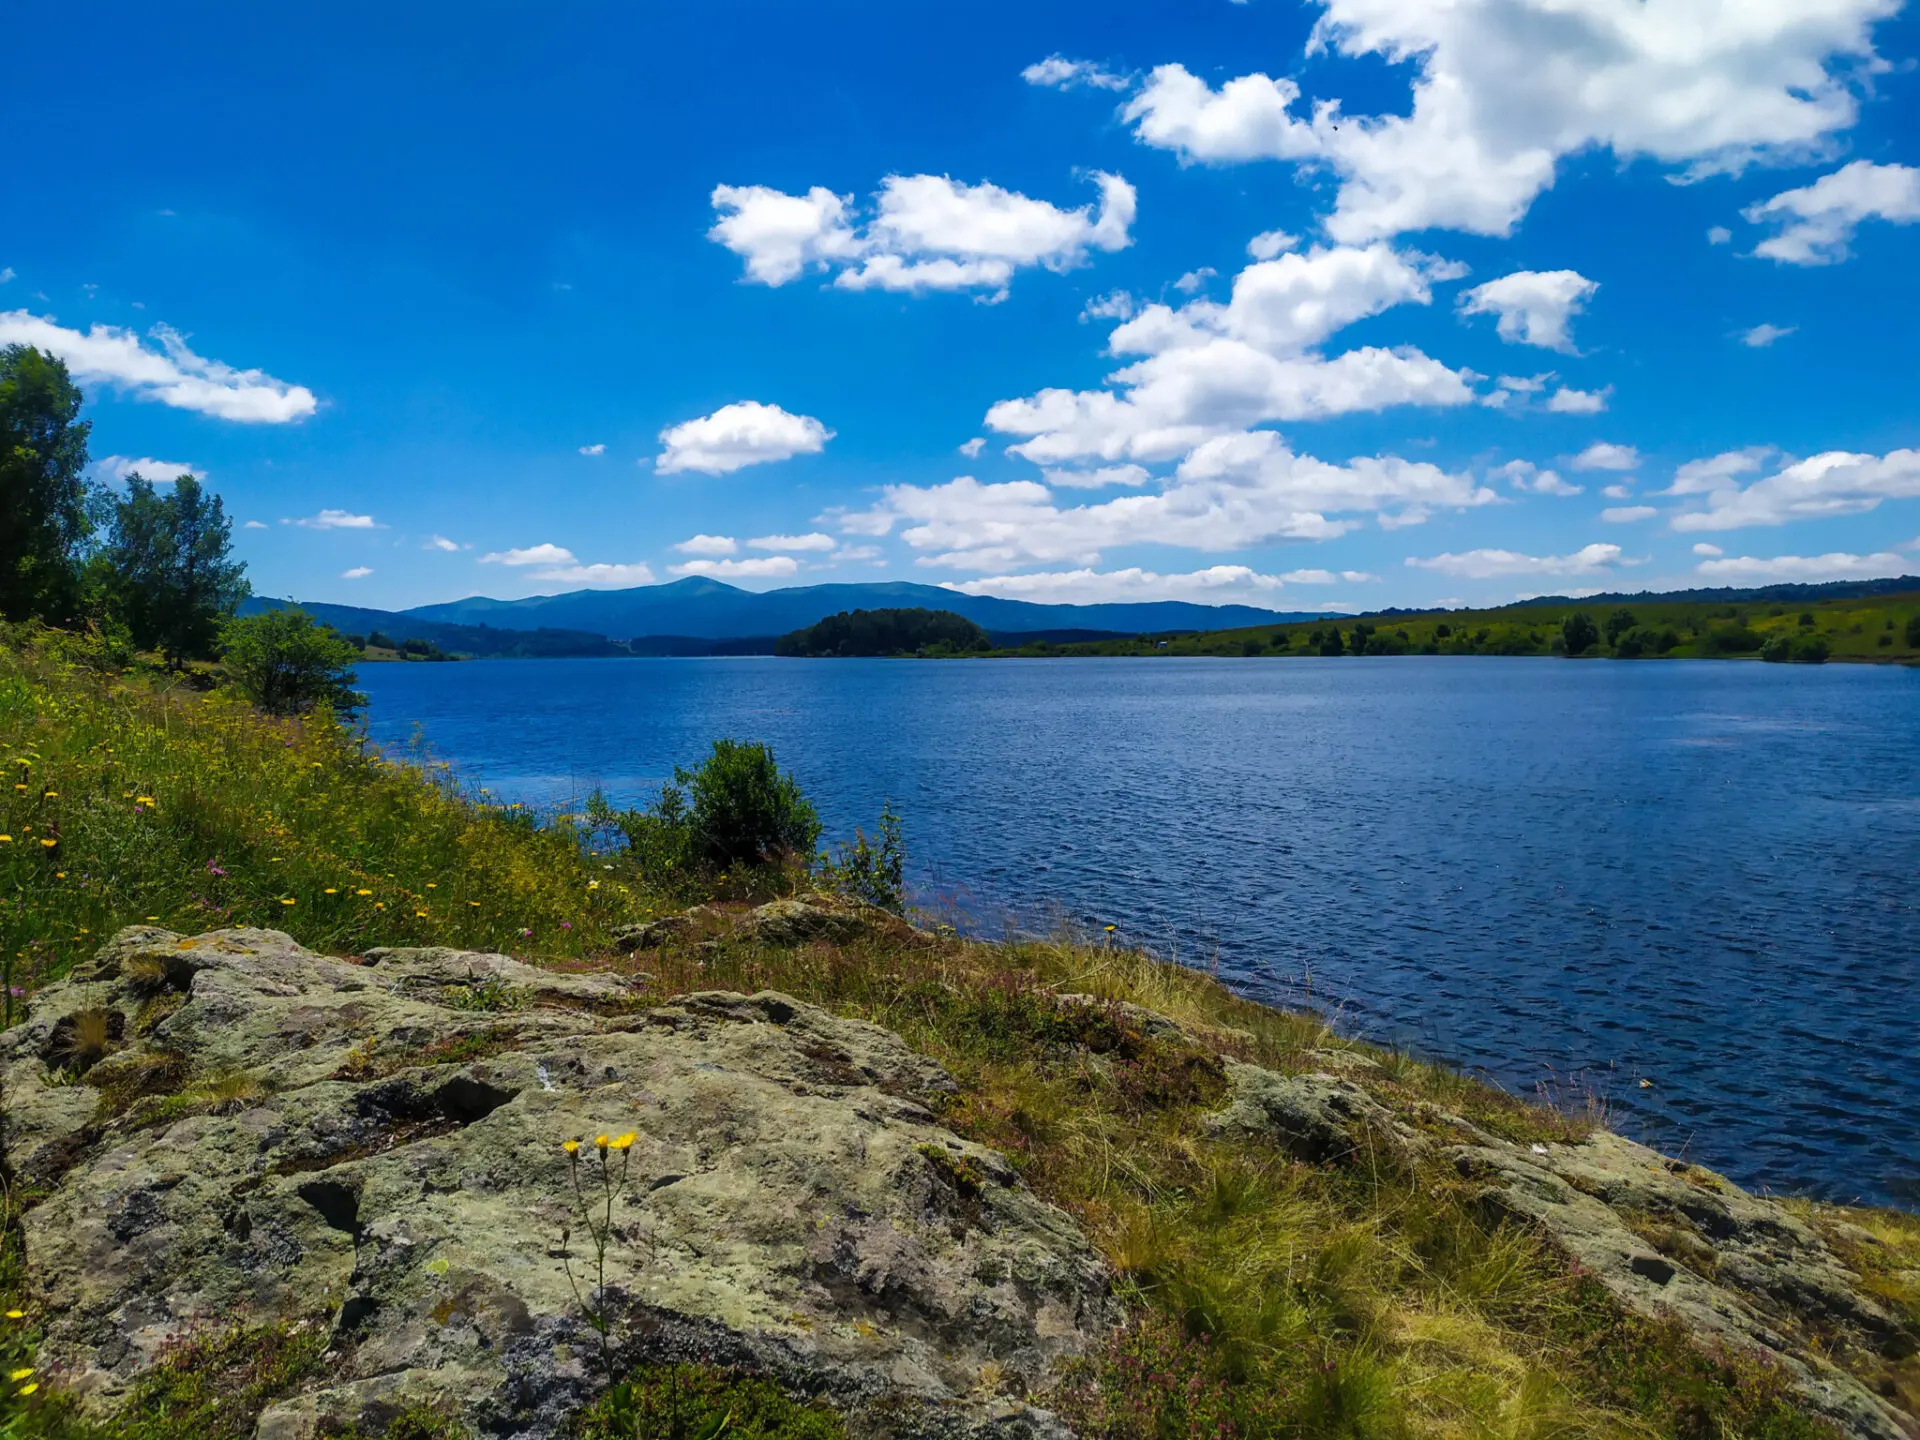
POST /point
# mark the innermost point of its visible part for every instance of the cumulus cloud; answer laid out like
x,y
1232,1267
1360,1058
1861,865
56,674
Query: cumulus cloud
x,y
924,232
738,435
1717,472
973,447
1710,550
1719,235
1232,492
1525,475
555,564
1617,492
439,542
1834,483
254,525
1194,281
335,520
812,543
1761,336
119,467
167,370
593,449
1056,72
1627,514
1133,475
1269,243
358,572
1567,401
755,568
1534,306
6,274
1208,368
708,545
1502,91
1497,564
1835,566
1114,305
1602,456
1216,585
1816,223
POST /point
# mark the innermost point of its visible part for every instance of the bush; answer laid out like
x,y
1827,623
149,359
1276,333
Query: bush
x,y
1796,650
286,664
1913,631
1579,632
1731,640
870,872
1618,624
734,808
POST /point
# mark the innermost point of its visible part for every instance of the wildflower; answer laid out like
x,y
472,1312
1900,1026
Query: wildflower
x,y
143,799
525,931
213,869
49,843
602,1141
419,914
363,892
16,1314
564,924
1109,929
572,1147
6,839
286,902
51,795
18,1375
29,1387
622,1142
474,903
331,891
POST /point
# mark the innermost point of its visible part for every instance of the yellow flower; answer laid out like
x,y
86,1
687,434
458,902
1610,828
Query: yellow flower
x,y
286,902
49,843
602,1141
363,892
622,1142
51,795
29,1387
17,1375
572,1147
331,891
6,839
16,1314
143,800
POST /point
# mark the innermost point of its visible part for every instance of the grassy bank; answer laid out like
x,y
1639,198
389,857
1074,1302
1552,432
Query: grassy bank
x,y
1372,1298
1876,628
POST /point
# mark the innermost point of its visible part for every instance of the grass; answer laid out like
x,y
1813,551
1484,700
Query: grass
x,y
1863,629
1365,1299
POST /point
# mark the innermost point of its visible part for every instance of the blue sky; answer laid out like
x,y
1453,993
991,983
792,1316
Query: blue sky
x,y
1354,303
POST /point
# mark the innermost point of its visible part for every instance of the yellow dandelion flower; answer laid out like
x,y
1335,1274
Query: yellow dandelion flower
x,y
363,892
18,1375
622,1142
286,902
6,839
572,1147
331,891
51,795
602,1141
29,1387
16,1314
49,843
419,914
143,799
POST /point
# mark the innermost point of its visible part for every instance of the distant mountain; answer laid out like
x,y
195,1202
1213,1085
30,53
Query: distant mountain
x,y
476,640
1759,594
709,609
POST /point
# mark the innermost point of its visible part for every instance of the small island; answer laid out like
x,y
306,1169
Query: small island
x,y
930,634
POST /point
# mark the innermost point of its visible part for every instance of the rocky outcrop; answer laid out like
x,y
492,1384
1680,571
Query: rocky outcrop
x,y
376,1144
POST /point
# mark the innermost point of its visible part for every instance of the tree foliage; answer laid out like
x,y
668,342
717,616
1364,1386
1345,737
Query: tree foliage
x,y
886,632
169,570
286,664
1579,632
45,509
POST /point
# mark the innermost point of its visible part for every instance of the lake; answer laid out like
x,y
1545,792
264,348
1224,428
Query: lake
x,y
1704,875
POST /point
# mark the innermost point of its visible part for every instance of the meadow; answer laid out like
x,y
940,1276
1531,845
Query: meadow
x,y
1270,1297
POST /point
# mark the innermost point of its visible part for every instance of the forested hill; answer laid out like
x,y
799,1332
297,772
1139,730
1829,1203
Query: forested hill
x,y
887,632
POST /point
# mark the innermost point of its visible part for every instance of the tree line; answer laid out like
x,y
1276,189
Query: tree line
x,y
149,569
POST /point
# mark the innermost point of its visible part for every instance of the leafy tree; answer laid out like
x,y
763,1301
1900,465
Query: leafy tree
x,y
172,574
380,640
887,632
734,808
1443,631
1618,624
1796,650
45,502
1913,631
287,664
1331,643
1579,633
1806,620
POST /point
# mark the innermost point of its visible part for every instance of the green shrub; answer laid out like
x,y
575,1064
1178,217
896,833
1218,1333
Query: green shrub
x,y
1579,632
1913,631
1735,639
1796,650
734,808
286,664
870,872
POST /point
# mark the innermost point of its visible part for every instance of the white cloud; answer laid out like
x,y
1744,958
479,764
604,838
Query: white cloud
x,y
119,467
1059,73
1566,401
1719,235
1627,514
1194,281
1525,475
805,544
1232,492
735,436
6,274
758,567
708,545
1327,577
1217,585
1534,306
172,374
358,572
1703,548
1269,243
1501,91
926,232
1836,566
973,447
858,554
336,520
439,542
1717,472
1133,475
1817,221
1617,492
556,564
1208,368
1115,305
1761,336
1496,564
255,525
548,554
1835,483
1602,456
593,449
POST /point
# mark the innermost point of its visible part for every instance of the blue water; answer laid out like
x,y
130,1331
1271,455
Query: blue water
x,y
1705,875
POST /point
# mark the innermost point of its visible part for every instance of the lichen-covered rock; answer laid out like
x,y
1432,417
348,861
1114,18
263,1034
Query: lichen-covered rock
x,y
376,1144
1667,1238
796,922
1318,1118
